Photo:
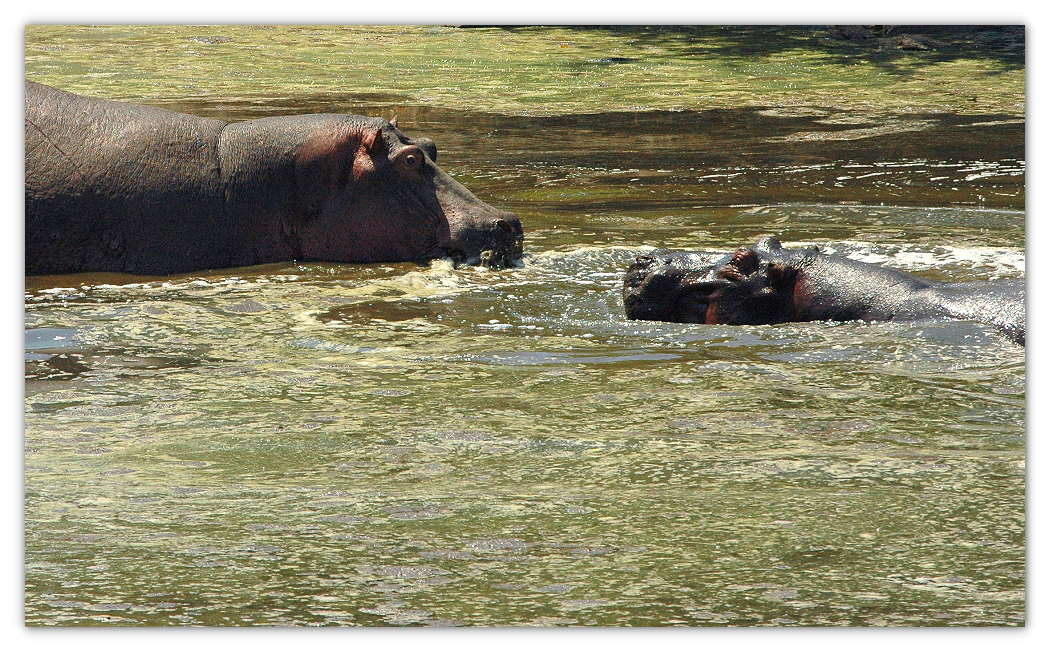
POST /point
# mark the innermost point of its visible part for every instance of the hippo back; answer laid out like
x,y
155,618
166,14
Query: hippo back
x,y
111,185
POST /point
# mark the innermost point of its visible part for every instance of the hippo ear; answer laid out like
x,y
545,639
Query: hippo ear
x,y
393,122
768,244
372,139
321,166
371,145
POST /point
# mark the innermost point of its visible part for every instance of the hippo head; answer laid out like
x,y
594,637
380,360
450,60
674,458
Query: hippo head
x,y
753,285
365,192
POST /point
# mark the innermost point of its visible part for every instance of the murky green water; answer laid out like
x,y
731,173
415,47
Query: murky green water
x,y
405,445
535,70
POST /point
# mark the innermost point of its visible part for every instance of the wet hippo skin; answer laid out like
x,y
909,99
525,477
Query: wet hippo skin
x,y
768,284
120,187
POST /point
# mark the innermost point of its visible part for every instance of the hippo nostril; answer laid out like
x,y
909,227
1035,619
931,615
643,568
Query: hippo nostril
x,y
505,225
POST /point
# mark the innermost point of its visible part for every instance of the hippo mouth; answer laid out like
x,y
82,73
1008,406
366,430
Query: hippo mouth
x,y
672,286
500,248
502,259
490,258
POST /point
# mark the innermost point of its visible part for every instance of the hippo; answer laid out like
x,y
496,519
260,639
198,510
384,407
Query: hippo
x,y
768,284
120,187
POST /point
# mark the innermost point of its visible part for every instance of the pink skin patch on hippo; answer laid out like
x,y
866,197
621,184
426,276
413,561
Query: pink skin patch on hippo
x,y
371,144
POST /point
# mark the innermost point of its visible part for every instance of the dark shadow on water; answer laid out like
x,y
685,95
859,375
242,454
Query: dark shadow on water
x,y
749,135
888,47
717,157
250,108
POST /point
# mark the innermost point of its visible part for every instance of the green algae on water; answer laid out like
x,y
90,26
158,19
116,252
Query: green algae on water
x,y
533,70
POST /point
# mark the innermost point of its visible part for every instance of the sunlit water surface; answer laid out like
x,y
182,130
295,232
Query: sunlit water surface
x,y
308,443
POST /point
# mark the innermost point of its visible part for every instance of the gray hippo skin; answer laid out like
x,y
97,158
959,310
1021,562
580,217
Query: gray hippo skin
x,y
119,187
768,284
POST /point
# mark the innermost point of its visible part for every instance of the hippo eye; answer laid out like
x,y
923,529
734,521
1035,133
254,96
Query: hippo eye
x,y
411,158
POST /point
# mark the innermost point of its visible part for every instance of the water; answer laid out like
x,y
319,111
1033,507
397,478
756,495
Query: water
x,y
423,445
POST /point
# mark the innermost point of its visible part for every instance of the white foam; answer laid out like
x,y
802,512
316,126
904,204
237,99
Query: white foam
x,y
990,261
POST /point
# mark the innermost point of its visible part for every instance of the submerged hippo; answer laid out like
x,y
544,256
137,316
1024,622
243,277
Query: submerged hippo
x,y
118,187
767,284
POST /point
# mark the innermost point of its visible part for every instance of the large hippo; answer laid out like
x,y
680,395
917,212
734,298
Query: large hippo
x,y
119,187
768,284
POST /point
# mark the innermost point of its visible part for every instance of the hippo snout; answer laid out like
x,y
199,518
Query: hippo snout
x,y
503,241
667,285
494,239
